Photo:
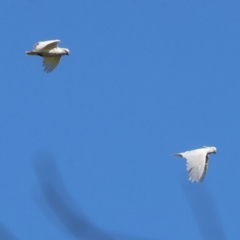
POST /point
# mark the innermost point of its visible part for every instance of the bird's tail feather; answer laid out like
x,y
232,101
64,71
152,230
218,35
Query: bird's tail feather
x,y
177,154
31,53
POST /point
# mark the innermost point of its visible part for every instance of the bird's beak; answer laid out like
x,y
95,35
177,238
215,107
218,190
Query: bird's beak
x,y
215,152
67,53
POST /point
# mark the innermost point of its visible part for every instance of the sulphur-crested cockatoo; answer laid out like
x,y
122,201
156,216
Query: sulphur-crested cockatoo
x,y
50,52
197,162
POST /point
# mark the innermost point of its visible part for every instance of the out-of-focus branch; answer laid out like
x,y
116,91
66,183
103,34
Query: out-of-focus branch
x,y
55,196
205,211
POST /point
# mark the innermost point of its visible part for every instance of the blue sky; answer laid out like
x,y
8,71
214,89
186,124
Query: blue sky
x,y
144,79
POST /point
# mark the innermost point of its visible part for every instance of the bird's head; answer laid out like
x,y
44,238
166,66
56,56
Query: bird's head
x,y
66,51
211,149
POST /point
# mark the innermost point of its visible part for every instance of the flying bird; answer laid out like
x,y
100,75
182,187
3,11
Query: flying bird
x,y
50,52
197,162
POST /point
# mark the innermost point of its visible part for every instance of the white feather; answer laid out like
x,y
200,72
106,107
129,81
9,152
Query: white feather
x,y
46,45
50,52
197,162
49,63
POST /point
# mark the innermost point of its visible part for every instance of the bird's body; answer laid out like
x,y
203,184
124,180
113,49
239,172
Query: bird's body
x,y
50,53
197,162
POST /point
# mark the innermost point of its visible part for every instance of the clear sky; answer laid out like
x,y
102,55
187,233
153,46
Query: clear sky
x,y
144,79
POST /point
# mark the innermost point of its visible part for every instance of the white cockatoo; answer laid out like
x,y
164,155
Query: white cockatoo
x,y
197,162
50,52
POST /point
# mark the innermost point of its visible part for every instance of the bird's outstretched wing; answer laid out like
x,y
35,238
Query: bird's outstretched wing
x,y
46,45
49,63
196,164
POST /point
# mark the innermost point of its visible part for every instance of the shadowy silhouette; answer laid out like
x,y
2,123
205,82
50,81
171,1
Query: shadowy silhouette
x,y
56,198
5,234
205,211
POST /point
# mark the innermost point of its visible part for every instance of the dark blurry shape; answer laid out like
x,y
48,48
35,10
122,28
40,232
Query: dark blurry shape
x,y
5,234
55,196
205,211
60,203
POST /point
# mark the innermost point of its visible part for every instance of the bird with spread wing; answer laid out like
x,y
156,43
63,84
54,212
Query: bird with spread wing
x,y
197,162
50,52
